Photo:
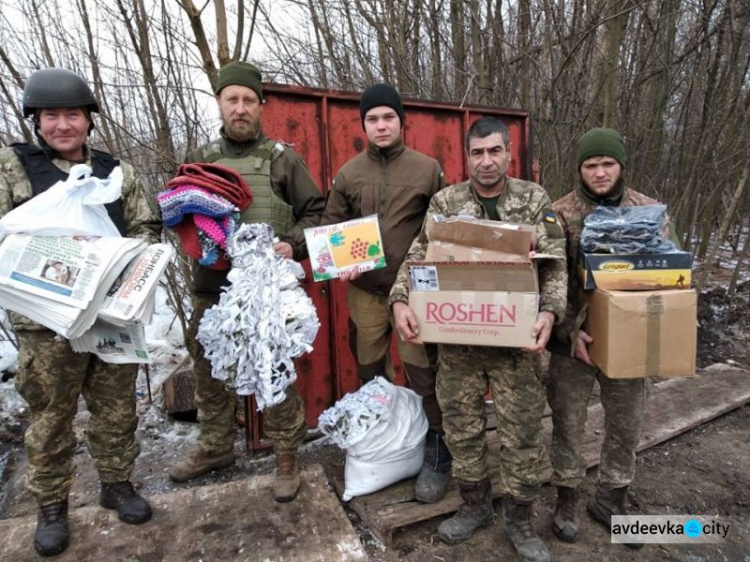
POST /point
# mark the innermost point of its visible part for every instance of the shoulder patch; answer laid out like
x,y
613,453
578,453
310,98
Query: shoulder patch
x,y
551,224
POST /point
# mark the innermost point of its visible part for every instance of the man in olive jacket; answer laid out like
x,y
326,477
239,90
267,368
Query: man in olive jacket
x,y
285,197
395,183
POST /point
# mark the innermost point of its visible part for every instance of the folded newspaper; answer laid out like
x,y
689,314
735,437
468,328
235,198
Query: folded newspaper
x,y
73,283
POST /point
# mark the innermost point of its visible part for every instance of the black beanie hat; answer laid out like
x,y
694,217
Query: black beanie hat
x,y
601,142
377,95
241,74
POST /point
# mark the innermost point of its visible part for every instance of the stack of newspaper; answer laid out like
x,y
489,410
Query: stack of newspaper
x,y
96,291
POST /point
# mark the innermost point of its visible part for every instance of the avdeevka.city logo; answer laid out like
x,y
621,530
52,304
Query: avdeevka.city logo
x,y
693,528
668,529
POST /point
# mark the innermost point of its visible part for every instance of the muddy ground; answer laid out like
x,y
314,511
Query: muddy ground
x,y
705,471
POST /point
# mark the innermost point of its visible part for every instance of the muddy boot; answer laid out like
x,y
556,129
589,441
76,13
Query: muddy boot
x,y
609,502
198,463
565,520
431,482
131,508
474,513
51,536
518,527
286,482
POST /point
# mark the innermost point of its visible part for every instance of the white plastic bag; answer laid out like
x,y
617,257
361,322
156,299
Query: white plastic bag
x,y
69,208
382,428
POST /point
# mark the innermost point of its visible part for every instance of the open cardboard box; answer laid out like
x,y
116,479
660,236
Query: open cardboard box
x,y
477,284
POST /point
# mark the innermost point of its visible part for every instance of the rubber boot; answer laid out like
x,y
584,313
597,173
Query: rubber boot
x,y
474,513
518,527
286,481
433,478
131,507
565,520
609,502
51,536
198,463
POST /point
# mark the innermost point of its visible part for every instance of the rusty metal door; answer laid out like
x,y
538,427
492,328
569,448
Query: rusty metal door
x,y
324,127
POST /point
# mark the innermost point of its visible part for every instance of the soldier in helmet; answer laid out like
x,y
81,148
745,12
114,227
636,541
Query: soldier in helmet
x,y
51,376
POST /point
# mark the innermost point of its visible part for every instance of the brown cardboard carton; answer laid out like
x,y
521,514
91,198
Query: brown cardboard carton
x,y
477,285
642,333
636,272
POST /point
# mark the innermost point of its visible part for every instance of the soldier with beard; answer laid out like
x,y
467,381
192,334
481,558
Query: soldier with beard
x,y
285,197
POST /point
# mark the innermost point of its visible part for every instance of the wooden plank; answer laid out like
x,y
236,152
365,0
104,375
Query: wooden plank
x,y
674,406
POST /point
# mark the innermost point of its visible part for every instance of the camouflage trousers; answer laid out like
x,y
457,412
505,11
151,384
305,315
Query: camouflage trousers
x,y
50,378
370,331
284,424
569,387
464,375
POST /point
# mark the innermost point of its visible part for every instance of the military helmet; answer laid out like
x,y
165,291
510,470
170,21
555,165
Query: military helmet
x,y
57,87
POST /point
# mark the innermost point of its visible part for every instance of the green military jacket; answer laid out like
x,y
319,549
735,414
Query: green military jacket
x,y
395,183
521,202
284,194
141,219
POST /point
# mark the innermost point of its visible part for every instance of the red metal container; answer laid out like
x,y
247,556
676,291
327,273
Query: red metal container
x,y
324,127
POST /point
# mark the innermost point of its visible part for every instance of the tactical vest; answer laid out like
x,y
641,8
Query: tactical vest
x,y
255,168
43,174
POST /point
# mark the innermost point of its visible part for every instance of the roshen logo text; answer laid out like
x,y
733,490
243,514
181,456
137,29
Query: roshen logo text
x,y
472,314
616,266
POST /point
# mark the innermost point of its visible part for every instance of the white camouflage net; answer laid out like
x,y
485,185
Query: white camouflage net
x,y
263,320
355,414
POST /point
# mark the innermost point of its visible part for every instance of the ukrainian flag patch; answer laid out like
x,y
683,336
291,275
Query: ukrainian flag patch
x,y
550,217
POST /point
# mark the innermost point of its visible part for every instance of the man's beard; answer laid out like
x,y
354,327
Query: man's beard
x,y
242,131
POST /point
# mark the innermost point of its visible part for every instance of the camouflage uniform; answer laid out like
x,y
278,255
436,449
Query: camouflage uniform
x,y
286,197
52,376
513,376
571,381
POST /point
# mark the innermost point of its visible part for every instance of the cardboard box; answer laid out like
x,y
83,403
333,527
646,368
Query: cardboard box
x,y
477,285
639,272
643,333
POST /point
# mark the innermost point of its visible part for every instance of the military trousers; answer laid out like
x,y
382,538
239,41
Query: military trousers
x,y
51,377
370,330
284,424
569,387
465,374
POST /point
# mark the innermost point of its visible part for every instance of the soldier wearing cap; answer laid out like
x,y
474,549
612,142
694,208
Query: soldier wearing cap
x,y
600,161
51,377
285,197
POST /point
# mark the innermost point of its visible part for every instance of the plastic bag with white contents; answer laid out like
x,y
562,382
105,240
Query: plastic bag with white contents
x,y
382,427
73,207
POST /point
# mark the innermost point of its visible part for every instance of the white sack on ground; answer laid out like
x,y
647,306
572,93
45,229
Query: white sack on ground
x,y
263,320
382,427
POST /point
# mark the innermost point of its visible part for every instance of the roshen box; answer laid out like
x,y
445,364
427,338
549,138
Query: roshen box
x,y
642,333
477,285
637,272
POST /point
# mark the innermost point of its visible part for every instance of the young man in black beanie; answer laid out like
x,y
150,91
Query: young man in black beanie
x,y
396,183
601,160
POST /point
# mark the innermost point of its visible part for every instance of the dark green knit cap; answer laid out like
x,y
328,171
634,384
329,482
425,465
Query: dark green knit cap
x,y
601,142
240,74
